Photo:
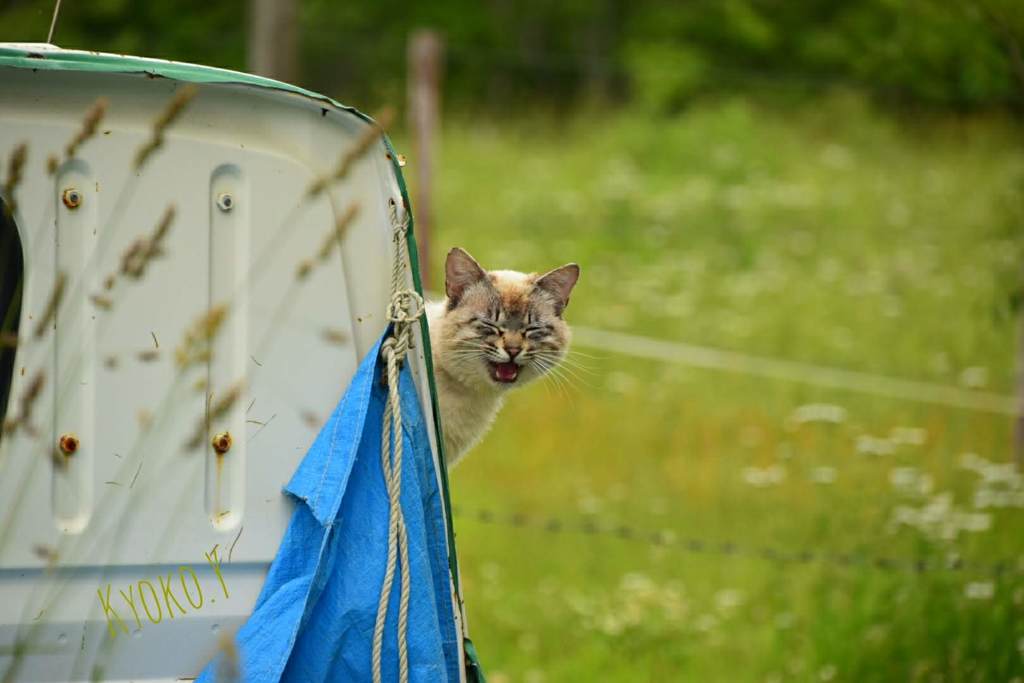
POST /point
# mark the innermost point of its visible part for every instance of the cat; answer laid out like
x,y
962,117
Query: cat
x,y
495,331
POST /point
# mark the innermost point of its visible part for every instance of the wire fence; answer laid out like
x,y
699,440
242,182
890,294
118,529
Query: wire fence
x,y
712,358
668,538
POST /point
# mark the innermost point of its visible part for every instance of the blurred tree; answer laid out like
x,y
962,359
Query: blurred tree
x,y
958,54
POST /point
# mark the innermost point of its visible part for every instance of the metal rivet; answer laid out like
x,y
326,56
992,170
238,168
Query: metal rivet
x,y
225,202
72,198
68,444
221,443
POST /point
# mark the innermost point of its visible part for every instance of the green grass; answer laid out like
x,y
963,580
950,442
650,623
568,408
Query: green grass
x,y
826,233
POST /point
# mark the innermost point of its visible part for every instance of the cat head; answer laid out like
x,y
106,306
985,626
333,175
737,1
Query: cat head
x,y
503,328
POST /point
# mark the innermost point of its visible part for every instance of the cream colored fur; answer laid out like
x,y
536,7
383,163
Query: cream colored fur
x,y
493,313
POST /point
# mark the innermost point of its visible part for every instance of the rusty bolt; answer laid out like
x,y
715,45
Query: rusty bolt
x,y
72,198
68,444
225,202
222,443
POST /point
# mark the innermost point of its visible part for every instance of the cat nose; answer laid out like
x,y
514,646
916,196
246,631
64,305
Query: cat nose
x,y
512,351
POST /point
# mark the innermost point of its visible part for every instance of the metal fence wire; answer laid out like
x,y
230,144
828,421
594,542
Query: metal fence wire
x,y
668,538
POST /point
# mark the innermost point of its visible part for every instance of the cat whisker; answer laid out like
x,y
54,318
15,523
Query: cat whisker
x,y
591,356
569,362
550,370
561,384
570,373
555,357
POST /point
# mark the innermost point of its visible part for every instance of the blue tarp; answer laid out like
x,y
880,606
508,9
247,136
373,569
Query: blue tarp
x,y
314,618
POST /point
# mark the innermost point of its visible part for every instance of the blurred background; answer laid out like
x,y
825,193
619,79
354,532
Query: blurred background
x,y
784,448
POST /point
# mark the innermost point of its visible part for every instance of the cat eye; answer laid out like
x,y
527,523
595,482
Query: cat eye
x,y
538,331
487,327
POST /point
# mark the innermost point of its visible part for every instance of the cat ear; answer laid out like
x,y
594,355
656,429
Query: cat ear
x,y
461,271
559,283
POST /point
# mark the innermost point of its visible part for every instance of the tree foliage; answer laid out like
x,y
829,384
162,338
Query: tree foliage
x,y
961,54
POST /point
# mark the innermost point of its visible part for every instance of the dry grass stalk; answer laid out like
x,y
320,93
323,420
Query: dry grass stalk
x,y
167,117
304,269
195,348
15,171
227,665
47,554
214,411
334,336
50,312
340,228
373,132
89,124
335,236
138,256
113,361
100,301
26,405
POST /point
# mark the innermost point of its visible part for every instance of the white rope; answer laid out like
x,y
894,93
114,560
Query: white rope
x,y
405,308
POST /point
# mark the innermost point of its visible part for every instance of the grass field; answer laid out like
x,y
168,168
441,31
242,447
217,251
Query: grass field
x,y
829,234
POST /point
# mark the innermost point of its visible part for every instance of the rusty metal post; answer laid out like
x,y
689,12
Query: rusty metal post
x,y
425,64
274,39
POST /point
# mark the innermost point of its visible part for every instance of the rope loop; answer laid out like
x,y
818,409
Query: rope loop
x,y
405,307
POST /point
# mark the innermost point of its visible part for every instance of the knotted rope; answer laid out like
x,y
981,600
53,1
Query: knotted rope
x,y
405,308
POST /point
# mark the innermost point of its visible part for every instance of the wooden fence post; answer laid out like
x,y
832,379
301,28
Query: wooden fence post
x,y
1018,431
425,56
273,39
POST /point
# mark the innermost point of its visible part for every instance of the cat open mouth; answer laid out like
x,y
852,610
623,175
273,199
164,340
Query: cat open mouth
x,y
504,372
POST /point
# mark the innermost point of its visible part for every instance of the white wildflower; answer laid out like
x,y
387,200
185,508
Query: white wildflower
x,y
534,676
910,481
908,436
973,462
974,377
728,599
762,477
939,518
637,585
836,156
974,522
706,622
980,590
824,475
991,498
873,445
610,624
589,504
817,412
